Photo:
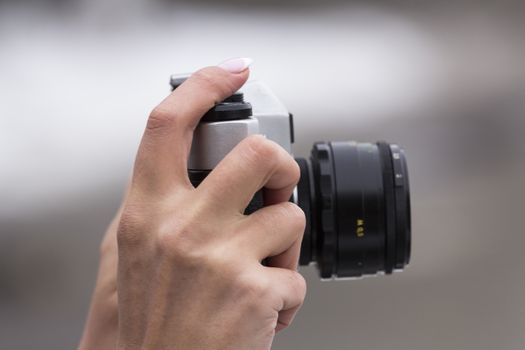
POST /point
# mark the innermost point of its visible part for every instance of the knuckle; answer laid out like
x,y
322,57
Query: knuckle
x,y
252,292
204,77
297,288
219,261
262,218
211,80
253,287
130,228
295,170
261,150
185,242
160,119
175,243
173,246
299,285
295,216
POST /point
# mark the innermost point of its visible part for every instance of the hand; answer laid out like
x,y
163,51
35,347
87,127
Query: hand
x,y
189,261
101,330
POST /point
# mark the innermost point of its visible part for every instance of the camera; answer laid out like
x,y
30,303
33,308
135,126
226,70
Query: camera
x,y
355,195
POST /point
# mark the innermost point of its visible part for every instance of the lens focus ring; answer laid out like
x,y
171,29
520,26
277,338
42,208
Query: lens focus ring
x,y
325,189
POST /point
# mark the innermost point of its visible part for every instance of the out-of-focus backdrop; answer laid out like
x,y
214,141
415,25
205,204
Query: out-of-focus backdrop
x,y
444,79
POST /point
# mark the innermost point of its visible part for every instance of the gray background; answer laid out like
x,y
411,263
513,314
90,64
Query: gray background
x,y
446,81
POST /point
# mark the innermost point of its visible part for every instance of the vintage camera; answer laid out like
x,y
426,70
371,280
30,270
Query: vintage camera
x,y
355,195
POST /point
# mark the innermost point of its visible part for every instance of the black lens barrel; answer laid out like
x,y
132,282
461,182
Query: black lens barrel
x,y
358,208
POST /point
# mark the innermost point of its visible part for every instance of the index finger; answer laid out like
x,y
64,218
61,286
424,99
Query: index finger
x,y
254,163
161,161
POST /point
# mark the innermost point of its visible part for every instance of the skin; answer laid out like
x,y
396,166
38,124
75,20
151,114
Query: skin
x,y
189,270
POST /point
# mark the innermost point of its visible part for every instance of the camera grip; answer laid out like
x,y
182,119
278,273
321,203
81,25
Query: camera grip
x,y
257,202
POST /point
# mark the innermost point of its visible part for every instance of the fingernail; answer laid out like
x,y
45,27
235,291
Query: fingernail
x,y
236,65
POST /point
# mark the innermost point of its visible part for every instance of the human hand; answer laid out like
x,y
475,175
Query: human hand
x,y
189,261
101,330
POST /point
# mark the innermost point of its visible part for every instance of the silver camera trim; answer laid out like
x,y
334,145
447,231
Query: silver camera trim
x,y
212,141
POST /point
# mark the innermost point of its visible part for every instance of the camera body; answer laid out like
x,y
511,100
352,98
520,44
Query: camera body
x,y
355,195
213,140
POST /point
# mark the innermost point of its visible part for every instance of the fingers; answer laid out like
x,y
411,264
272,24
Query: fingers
x,y
290,287
289,259
272,231
254,163
162,157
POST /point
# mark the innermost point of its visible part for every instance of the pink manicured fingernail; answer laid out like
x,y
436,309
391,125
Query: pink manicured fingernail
x,y
236,65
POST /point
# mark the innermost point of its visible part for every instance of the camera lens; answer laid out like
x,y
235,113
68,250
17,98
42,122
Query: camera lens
x,y
357,203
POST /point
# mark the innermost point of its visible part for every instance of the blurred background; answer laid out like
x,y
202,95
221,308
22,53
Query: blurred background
x,y
444,79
